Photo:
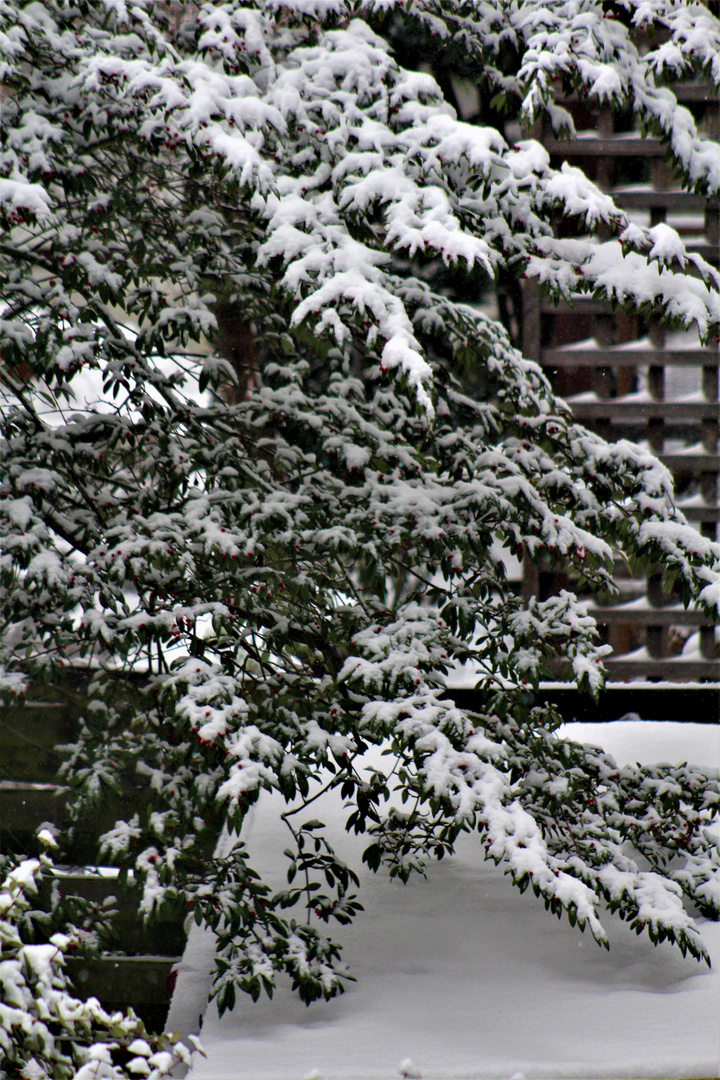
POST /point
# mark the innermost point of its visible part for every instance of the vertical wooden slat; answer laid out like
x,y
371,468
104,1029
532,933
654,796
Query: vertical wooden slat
x,y
531,329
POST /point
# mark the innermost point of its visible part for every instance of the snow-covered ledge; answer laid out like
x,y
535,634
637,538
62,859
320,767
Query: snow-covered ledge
x,y
459,976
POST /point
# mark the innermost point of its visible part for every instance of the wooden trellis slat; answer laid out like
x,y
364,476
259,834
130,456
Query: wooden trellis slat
x,y
695,462
671,615
666,668
645,409
605,147
623,356
646,198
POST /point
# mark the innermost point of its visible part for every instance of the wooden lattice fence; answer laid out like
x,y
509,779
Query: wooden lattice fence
x,y
626,379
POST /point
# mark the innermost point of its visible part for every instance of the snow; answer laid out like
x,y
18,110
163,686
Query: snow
x,y
460,976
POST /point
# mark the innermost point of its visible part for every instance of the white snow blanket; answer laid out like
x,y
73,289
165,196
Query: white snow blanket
x,y
460,976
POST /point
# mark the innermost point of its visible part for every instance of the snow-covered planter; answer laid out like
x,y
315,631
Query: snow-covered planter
x,y
295,532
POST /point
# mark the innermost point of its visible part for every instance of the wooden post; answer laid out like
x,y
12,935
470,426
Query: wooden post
x,y
531,318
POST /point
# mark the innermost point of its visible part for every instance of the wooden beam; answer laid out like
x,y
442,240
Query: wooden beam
x,y
605,146
617,408
622,356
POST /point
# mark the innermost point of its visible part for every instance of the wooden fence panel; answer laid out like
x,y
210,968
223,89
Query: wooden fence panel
x,y
632,381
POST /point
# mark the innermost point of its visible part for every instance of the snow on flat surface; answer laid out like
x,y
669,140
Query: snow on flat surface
x,y
469,979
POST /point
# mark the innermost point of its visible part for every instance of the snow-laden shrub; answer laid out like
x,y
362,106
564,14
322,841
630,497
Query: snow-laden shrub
x,y
241,480
46,1033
